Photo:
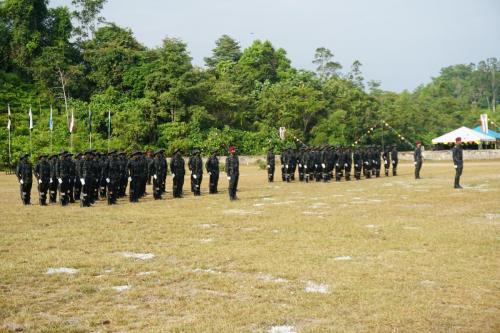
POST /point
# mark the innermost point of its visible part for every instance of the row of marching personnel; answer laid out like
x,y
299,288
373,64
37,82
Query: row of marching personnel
x,y
324,163
90,176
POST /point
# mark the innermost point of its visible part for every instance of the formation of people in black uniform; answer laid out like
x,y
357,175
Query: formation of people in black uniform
x,y
325,163
90,176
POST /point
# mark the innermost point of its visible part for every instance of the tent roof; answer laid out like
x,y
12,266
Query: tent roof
x,y
467,135
490,132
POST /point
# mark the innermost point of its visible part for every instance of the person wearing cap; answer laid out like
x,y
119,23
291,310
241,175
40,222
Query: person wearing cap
x,y
196,168
134,173
42,174
358,163
394,160
96,179
347,163
149,159
233,172
122,158
24,173
418,159
157,170
86,179
53,179
112,177
212,166
78,170
458,161
386,156
63,174
271,165
178,170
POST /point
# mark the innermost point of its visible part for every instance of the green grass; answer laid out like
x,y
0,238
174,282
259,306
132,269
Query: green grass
x,y
424,257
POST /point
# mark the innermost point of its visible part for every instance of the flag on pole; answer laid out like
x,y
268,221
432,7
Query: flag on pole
x,y
484,123
72,122
90,121
31,119
8,117
51,123
109,122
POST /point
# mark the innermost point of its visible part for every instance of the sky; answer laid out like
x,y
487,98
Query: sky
x,y
401,43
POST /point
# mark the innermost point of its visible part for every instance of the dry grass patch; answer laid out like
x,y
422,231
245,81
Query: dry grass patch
x,y
378,255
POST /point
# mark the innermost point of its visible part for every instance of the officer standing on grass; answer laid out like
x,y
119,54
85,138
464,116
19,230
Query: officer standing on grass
x,y
77,183
42,174
157,171
86,179
63,177
112,177
212,166
196,167
394,159
271,165
178,170
134,173
418,159
458,161
358,163
53,179
386,156
233,172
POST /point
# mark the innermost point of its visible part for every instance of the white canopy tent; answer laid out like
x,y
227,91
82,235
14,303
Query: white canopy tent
x,y
467,135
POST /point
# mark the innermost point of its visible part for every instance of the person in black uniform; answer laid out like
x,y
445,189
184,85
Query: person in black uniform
x,y
378,162
72,175
134,174
233,172
177,167
306,164
113,176
86,179
358,163
77,183
157,171
418,159
122,157
95,180
212,166
53,179
271,165
163,166
347,160
42,174
367,163
386,156
102,160
196,168
63,177
394,160
458,161
339,163
24,173
149,159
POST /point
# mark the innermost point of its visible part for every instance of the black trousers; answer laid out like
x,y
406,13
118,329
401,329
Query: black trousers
x,y
386,168
53,190
77,189
213,182
458,173
64,191
157,186
135,189
394,168
347,172
178,184
43,187
270,173
86,194
418,166
233,185
196,183
357,171
112,191
25,191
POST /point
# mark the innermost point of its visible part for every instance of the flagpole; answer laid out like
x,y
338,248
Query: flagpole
x,y
51,127
10,124
109,127
90,128
31,128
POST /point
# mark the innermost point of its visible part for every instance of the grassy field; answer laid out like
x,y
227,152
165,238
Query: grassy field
x,y
380,255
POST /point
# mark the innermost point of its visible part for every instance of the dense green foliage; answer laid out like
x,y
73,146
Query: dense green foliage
x,y
157,98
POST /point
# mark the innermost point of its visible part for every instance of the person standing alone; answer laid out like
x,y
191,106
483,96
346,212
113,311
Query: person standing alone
x,y
458,161
233,172
417,157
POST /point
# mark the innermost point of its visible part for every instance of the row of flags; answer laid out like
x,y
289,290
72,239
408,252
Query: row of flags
x,y
71,125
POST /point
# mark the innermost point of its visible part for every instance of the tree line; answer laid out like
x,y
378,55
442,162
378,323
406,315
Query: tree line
x,y
75,61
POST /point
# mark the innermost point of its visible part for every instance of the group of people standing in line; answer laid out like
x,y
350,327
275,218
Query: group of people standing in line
x,y
324,163
89,176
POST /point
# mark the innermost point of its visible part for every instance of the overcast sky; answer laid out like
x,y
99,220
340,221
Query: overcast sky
x,y
402,43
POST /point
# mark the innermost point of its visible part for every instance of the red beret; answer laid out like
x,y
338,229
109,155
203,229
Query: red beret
x,y
458,139
232,149
418,142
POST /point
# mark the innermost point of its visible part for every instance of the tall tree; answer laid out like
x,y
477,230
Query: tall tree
x,y
327,67
226,49
87,13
